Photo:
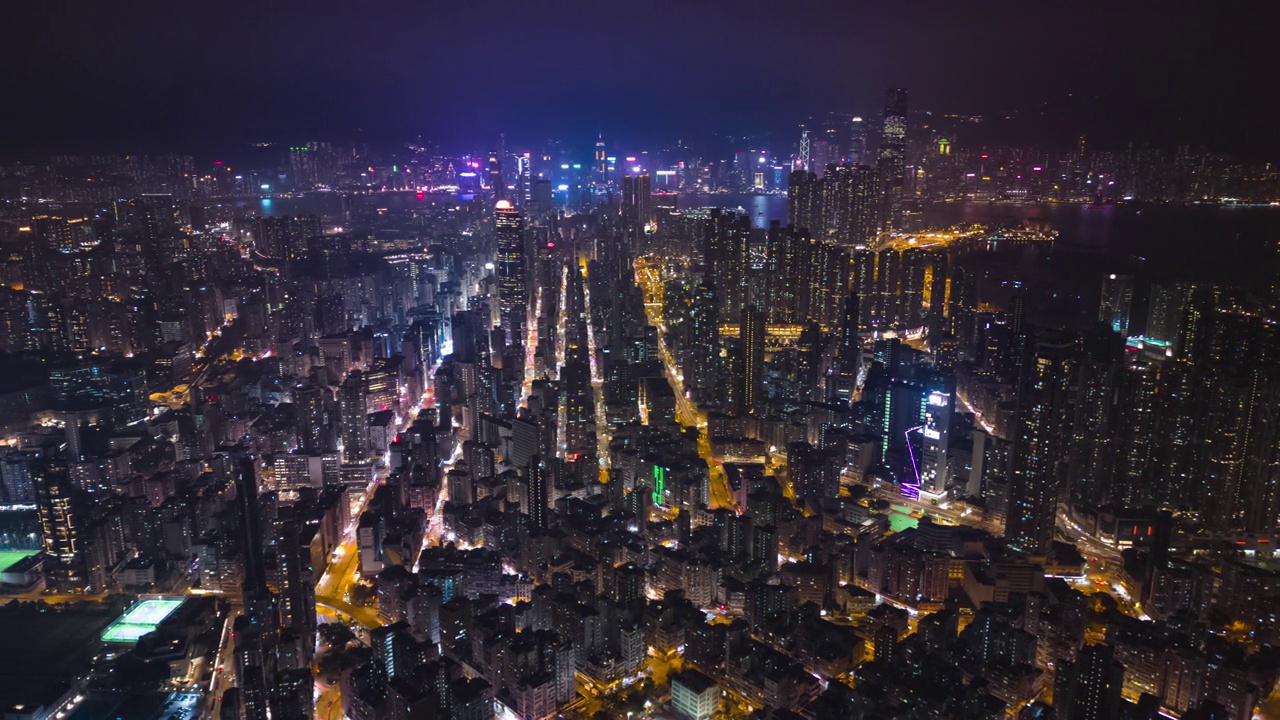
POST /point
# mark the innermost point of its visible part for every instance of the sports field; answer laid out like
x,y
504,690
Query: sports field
x,y
900,518
9,557
140,619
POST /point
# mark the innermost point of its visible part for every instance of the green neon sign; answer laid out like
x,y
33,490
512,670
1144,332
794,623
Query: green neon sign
x,y
659,483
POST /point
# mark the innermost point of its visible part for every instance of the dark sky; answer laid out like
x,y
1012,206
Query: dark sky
x,y
145,75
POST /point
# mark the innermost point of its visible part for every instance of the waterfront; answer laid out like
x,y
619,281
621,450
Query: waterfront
x,y
1218,243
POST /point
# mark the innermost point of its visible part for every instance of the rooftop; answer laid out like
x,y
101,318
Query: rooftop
x,y
694,681
141,618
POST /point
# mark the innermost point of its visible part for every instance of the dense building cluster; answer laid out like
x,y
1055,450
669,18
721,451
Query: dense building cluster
x,y
514,436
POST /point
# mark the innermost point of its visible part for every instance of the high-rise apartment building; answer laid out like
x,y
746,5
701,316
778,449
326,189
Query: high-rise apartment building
x,y
850,204
60,522
751,362
1042,429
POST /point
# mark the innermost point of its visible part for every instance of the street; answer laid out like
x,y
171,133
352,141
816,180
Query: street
x,y
687,413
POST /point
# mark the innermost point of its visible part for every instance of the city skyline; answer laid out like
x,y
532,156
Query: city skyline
x,y
639,362
201,79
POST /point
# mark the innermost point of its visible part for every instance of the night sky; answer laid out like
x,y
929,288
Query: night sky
x,y
145,76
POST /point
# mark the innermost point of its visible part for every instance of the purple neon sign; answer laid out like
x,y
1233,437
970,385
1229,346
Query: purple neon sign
x,y
912,490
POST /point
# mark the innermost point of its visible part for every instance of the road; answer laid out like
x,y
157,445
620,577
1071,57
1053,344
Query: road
x,y
603,436
945,512
333,591
687,412
1104,566
223,672
329,703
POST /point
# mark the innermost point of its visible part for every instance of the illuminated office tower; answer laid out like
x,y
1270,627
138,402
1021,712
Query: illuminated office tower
x,y
1117,297
934,437
830,140
497,187
512,293
602,162
893,157
1041,434
524,176
858,153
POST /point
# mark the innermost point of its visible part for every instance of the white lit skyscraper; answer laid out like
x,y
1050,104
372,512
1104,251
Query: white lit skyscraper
x,y
1117,296
509,227
935,434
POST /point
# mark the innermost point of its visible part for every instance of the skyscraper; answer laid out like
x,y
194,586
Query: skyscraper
x,y
497,186
704,336
1117,297
296,582
1090,688
59,522
888,287
637,204
864,284
509,226
751,365
849,351
524,176
893,156
915,265
849,204
804,203
311,405
602,162
1043,423
822,275
830,140
538,492
1164,312
935,438
255,630
1092,452
353,420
